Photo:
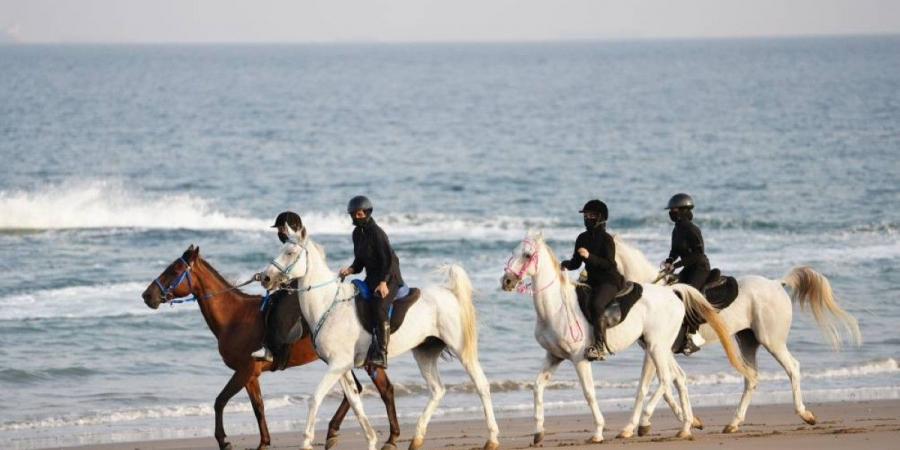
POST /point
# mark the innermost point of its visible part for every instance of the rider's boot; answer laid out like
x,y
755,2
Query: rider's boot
x,y
692,343
263,354
598,350
378,352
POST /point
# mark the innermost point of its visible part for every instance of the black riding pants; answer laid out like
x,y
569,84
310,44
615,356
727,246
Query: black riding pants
x,y
601,296
381,305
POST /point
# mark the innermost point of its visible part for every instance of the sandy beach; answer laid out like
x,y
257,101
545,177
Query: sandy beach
x,y
869,425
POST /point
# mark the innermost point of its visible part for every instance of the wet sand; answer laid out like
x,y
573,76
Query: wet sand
x,y
866,425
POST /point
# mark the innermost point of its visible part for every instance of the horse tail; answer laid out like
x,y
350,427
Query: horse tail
x,y
697,305
461,286
811,288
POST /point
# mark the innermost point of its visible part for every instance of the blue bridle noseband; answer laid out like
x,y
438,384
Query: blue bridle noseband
x,y
286,270
168,296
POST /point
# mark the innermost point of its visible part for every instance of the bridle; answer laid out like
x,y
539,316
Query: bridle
x,y
168,295
520,274
286,270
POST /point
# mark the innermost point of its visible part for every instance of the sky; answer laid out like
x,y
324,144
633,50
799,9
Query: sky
x,y
173,21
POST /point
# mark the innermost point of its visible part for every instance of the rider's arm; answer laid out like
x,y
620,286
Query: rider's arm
x,y
382,247
358,264
605,260
575,261
695,247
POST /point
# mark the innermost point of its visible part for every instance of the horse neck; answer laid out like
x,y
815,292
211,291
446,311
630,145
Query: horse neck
x,y
315,302
633,264
223,308
547,290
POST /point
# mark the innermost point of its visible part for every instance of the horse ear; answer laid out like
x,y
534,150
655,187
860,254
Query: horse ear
x,y
195,254
190,249
303,232
540,235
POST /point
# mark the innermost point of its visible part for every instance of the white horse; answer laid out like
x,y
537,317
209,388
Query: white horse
x,y
443,318
761,314
563,331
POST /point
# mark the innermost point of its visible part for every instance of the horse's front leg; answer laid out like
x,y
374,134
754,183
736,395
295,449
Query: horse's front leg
x,y
256,400
235,384
585,375
551,363
335,372
352,395
647,372
386,390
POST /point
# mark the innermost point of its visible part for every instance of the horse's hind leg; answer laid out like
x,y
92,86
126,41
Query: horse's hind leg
x,y
427,360
386,390
680,379
748,344
551,363
235,384
792,367
334,426
483,388
259,409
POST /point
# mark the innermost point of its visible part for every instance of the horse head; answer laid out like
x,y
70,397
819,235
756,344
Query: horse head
x,y
523,262
291,263
174,282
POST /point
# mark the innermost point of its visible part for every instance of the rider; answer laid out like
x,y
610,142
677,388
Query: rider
x,y
285,220
687,252
372,251
597,250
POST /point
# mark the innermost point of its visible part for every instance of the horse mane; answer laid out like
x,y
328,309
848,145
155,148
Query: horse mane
x,y
630,258
215,273
554,261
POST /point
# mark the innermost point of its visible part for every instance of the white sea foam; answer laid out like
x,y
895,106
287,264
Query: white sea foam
x,y
102,204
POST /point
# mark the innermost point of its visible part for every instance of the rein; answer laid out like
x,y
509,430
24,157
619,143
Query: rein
x,y
186,275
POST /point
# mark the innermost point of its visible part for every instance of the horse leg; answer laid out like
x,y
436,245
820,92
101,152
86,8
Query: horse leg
x,y
748,344
792,367
259,409
679,372
473,367
585,375
643,386
427,361
386,390
551,363
650,408
352,395
664,373
235,384
680,378
334,426
334,373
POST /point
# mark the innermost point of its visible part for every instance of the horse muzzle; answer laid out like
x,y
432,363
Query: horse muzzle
x,y
151,297
509,282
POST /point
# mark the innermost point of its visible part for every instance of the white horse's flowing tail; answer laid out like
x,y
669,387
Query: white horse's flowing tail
x,y
696,304
459,283
811,288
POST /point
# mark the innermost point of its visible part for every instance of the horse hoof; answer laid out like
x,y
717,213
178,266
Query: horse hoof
x,y
808,417
262,447
389,446
594,440
643,430
625,434
331,442
417,443
491,445
538,438
697,423
225,446
684,435
730,429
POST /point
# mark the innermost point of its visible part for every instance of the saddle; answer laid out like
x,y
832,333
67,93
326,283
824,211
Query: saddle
x,y
618,309
284,325
396,312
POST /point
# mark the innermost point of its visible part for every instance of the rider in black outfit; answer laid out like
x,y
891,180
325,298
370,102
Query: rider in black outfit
x,y
687,252
597,250
372,251
285,220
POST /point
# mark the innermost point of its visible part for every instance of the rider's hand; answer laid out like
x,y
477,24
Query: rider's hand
x,y
583,252
666,266
382,289
344,272
257,276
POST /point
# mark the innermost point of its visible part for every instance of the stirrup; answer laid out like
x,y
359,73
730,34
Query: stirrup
x,y
692,343
596,352
263,354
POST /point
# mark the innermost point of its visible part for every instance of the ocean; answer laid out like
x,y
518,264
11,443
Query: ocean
x,y
116,158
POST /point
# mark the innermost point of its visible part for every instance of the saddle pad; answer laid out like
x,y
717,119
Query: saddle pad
x,y
284,326
397,311
618,309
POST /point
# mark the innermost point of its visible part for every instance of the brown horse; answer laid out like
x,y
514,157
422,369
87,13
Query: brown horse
x,y
235,320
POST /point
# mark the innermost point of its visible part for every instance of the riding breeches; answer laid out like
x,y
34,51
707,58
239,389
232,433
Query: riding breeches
x,y
601,296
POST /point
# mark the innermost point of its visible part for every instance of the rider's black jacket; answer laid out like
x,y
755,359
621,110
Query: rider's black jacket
x,y
372,251
687,244
601,263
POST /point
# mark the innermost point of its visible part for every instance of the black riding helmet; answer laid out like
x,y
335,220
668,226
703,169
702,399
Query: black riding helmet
x,y
596,206
359,202
681,200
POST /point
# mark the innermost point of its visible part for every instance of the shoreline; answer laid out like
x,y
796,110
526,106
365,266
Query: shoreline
x,y
864,424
